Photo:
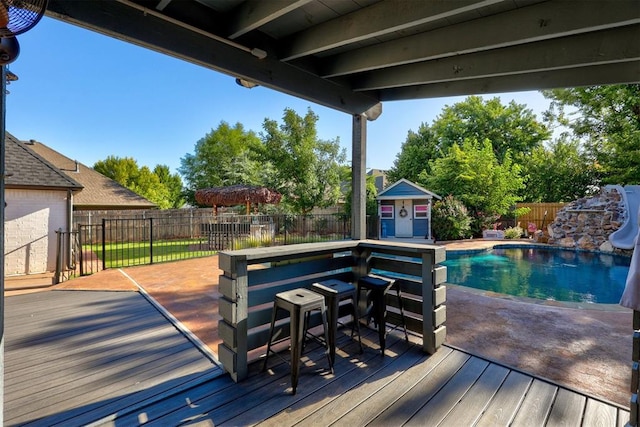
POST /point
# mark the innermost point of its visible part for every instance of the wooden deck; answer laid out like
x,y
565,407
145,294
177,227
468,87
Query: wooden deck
x,y
73,358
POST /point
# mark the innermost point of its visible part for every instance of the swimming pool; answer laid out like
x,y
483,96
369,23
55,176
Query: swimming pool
x,y
547,274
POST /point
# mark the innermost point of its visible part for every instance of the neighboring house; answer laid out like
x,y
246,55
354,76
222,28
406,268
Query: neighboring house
x,y
38,201
405,211
380,178
43,190
100,192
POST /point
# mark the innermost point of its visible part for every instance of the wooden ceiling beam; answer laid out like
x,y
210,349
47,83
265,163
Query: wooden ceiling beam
x,y
600,47
617,73
377,20
538,22
253,14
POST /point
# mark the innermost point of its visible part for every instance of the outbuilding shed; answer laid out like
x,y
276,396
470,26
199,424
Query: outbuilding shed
x,y
405,211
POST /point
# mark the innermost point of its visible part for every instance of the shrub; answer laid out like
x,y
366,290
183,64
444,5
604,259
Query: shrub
x,y
513,232
450,219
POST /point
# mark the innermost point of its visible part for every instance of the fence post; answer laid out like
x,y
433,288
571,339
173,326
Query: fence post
x,y
286,221
151,240
344,227
81,252
59,250
104,243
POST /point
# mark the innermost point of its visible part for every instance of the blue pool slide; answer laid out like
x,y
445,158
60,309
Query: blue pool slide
x,y
625,236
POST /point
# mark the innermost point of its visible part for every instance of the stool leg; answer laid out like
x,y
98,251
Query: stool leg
x,y
366,313
297,335
333,325
326,337
273,321
356,322
401,306
379,309
305,327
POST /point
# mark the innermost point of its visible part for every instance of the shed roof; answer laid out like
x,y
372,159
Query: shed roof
x,y
405,190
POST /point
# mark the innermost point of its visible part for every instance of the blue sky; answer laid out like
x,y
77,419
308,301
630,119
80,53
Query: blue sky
x,y
89,96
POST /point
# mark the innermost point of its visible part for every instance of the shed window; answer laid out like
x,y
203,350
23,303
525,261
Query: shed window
x,y
386,211
421,211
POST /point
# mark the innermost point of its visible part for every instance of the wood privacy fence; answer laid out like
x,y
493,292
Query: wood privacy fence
x,y
541,214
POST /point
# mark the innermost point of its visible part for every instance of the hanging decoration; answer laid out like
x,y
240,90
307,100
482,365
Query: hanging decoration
x,y
403,212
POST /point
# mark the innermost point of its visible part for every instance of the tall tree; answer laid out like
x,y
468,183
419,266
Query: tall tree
x,y
173,183
123,170
472,174
607,120
561,172
306,169
415,154
510,128
140,180
370,198
225,156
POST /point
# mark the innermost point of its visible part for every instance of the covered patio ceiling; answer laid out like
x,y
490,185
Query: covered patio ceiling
x,y
351,55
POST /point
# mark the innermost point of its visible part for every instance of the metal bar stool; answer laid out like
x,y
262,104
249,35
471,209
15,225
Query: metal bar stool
x,y
335,291
298,302
378,288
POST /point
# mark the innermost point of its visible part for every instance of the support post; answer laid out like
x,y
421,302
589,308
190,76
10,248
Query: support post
x,y
358,178
3,175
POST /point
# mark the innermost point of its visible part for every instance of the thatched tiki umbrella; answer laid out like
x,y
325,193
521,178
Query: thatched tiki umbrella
x,y
236,195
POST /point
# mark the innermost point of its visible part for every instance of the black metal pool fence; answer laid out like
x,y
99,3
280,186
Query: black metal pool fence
x,y
111,242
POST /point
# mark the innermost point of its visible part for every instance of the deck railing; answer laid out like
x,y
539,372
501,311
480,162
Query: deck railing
x,y
252,277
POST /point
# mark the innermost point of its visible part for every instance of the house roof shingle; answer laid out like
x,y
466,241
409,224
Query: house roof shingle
x,y
99,192
26,169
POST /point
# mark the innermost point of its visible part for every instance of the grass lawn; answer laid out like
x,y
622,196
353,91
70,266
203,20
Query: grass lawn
x,y
139,253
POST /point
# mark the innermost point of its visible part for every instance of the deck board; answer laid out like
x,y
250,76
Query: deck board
x,y
507,400
73,356
567,409
77,358
420,388
473,404
536,404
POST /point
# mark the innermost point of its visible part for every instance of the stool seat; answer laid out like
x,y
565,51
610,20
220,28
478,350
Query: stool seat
x,y
378,288
298,302
335,291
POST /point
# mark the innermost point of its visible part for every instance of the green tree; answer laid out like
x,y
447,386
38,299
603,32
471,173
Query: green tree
x,y
140,180
473,175
225,156
415,154
123,170
560,173
371,194
173,183
148,185
607,120
512,128
306,170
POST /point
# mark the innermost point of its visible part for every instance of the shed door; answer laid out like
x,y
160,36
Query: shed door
x,y
404,224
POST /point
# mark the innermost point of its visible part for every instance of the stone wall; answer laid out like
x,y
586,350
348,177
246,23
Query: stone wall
x,y
587,223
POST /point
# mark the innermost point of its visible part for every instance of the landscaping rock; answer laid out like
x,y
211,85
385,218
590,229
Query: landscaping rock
x,y
587,222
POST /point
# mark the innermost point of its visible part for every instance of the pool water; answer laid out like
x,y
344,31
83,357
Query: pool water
x,y
548,274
